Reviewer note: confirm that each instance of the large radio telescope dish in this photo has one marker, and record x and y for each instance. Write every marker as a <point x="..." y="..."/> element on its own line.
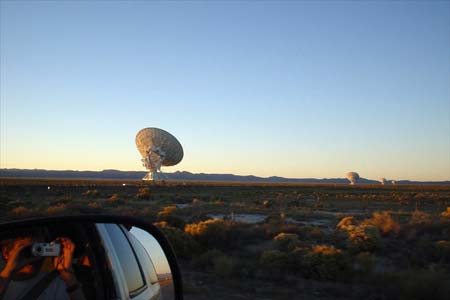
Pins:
<point x="157" y="148"/>
<point x="352" y="177"/>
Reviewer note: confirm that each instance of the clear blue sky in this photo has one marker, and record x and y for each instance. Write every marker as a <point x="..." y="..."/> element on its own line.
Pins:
<point x="294" y="89"/>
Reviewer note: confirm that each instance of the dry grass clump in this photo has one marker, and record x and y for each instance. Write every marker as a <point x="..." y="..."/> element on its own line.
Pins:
<point x="384" y="222"/>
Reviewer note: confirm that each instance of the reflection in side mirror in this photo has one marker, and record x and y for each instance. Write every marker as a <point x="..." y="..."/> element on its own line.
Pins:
<point x="158" y="259"/>
<point x="100" y="257"/>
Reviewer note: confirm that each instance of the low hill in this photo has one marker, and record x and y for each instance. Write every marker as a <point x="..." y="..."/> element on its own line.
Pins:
<point x="181" y="176"/>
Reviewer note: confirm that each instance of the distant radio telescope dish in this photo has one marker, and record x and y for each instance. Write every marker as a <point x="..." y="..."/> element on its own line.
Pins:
<point x="157" y="148"/>
<point x="382" y="181"/>
<point x="352" y="177"/>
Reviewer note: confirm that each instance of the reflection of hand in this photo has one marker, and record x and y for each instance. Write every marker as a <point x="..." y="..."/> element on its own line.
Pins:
<point x="13" y="255"/>
<point x="63" y="262"/>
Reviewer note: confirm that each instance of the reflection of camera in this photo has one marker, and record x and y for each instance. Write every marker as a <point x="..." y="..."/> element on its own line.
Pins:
<point x="46" y="249"/>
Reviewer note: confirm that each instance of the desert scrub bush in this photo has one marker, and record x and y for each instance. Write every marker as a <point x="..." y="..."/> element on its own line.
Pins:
<point x="225" y="266"/>
<point x="384" y="222"/>
<point x="294" y="228"/>
<point x="114" y="199"/>
<point x="16" y="203"/>
<point x="63" y="200"/>
<point x="315" y="233"/>
<point x="364" y="263"/>
<point x="267" y="203"/>
<point x="443" y="250"/>
<point x="95" y="205"/>
<point x="425" y="284"/>
<point x="438" y="229"/>
<point x="424" y="251"/>
<point x="346" y="223"/>
<point x="91" y="193"/>
<point x="275" y="263"/>
<point x="205" y="260"/>
<point x="326" y="263"/>
<point x="57" y="209"/>
<point x="446" y="213"/>
<point x="215" y="260"/>
<point x="326" y="249"/>
<point x="168" y="214"/>
<point x="182" y="243"/>
<point x="20" y="211"/>
<point x="144" y="193"/>
<point x="168" y="210"/>
<point x="419" y="217"/>
<point x="286" y="241"/>
<point x="213" y="233"/>
<point x="417" y="284"/>
<point x="196" y="201"/>
<point x="364" y="238"/>
<point x="273" y="224"/>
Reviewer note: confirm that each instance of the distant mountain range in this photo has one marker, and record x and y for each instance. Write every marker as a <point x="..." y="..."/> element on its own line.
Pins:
<point x="182" y="176"/>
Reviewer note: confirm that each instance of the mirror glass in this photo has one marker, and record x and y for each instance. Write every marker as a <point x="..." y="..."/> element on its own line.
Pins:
<point x="85" y="260"/>
<point x="159" y="260"/>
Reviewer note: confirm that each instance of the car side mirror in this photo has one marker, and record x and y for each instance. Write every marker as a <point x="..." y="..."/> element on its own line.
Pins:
<point x="87" y="257"/>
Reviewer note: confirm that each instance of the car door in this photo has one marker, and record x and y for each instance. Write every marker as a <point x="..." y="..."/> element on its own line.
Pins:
<point x="132" y="271"/>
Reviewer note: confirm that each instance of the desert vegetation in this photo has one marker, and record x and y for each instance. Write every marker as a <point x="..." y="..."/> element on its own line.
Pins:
<point x="275" y="241"/>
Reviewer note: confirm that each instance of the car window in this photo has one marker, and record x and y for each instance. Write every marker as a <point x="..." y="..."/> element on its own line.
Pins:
<point x="127" y="258"/>
<point x="144" y="258"/>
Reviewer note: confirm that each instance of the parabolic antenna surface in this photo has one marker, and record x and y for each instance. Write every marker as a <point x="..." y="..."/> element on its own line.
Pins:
<point x="157" y="148"/>
<point x="352" y="177"/>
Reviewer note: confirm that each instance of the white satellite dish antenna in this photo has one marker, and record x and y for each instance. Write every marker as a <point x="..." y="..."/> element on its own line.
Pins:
<point x="158" y="148"/>
<point x="352" y="177"/>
